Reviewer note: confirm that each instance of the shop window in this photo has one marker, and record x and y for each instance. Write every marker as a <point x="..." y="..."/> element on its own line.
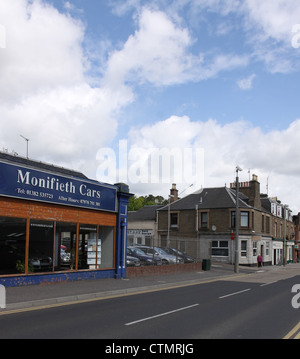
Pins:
<point x="267" y="248"/>
<point x="106" y="247"/>
<point x="12" y="245"/>
<point x="220" y="248"/>
<point x="254" y="249"/>
<point x="41" y="246"/>
<point x="243" y="248"/>
<point x="87" y="247"/>
<point x="65" y="246"/>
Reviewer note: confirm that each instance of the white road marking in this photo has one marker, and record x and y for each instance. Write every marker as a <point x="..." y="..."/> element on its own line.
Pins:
<point x="231" y="294"/>
<point x="263" y="285"/>
<point x="161" y="315"/>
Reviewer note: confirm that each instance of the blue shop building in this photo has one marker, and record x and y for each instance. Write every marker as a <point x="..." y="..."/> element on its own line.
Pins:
<point x="58" y="225"/>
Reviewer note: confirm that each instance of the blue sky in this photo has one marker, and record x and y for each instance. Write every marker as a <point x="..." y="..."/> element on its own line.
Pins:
<point x="78" y="76"/>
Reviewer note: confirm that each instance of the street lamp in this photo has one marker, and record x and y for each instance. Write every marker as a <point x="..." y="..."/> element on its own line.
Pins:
<point x="237" y="249"/>
<point x="27" y="140"/>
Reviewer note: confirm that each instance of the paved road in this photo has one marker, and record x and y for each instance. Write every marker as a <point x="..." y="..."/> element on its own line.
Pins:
<point x="241" y="308"/>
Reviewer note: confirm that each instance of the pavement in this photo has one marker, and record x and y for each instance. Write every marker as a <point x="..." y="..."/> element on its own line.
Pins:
<point x="18" y="298"/>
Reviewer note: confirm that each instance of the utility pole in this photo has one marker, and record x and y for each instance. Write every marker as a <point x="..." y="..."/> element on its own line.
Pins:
<point x="237" y="244"/>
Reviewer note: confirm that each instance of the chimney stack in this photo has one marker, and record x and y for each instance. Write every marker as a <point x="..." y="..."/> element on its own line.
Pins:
<point x="251" y="190"/>
<point x="173" y="193"/>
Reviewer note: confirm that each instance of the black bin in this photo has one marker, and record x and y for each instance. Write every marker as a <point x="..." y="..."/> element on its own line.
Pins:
<point x="206" y="263"/>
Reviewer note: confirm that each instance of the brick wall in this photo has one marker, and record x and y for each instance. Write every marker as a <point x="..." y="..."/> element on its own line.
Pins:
<point x="133" y="272"/>
<point x="43" y="211"/>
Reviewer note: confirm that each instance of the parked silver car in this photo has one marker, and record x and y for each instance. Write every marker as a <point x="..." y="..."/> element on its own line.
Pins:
<point x="159" y="252"/>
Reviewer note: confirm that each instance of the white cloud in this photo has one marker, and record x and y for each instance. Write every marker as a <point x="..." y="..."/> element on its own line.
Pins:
<point x="246" y="83"/>
<point x="44" y="92"/>
<point x="273" y="19"/>
<point x="160" y="53"/>
<point x="266" y="154"/>
<point x="43" y="50"/>
<point x="156" y="53"/>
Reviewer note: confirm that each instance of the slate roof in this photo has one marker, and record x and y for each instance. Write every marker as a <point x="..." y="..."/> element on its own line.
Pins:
<point x="41" y="165"/>
<point x="208" y="198"/>
<point x="266" y="204"/>
<point x="147" y="213"/>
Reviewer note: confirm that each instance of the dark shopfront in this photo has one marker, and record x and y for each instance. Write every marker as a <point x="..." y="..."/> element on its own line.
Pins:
<point x="57" y="225"/>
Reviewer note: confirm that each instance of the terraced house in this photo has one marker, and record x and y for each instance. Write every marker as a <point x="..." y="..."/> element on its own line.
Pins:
<point x="202" y="224"/>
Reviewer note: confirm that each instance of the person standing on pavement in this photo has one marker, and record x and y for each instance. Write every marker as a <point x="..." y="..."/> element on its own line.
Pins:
<point x="259" y="261"/>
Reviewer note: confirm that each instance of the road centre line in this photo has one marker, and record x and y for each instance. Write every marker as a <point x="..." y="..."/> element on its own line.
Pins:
<point x="231" y="294"/>
<point x="265" y="284"/>
<point x="161" y="315"/>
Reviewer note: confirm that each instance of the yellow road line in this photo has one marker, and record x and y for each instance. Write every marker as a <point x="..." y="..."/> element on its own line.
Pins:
<point x="293" y="333"/>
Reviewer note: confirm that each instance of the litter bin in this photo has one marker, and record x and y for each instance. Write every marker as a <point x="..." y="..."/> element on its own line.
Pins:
<point x="206" y="263"/>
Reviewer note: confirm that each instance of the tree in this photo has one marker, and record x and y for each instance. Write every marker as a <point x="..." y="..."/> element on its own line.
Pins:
<point x="136" y="203"/>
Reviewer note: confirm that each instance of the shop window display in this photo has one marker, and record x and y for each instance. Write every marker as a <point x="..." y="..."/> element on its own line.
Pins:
<point x="65" y="246"/>
<point x="52" y="246"/>
<point x="12" y="245"/>
<point x="87" y="247"/>
<point x="41" y="246"/>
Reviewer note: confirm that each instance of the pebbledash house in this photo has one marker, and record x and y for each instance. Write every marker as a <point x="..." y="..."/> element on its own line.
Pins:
<point x="58" y="225"/>
<point x="203" y="224"/>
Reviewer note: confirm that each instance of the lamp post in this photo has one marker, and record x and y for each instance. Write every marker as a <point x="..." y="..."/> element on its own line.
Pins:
<point x="285" y="207"/>
<point x="27" y="141"/>
<point x="169" y="220"/>
<point x="237" y="244"/>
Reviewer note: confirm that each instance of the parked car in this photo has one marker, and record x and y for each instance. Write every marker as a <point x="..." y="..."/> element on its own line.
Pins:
<point x="176" y="252"/>
<point x="42" y="263"/>
<point x="164" y="256"/>
<point x="145" y="259"/>
<point x="64" y="258"/>
<point x="133" y="262"/>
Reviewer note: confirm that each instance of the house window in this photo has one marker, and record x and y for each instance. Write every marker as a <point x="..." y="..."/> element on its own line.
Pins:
<point x="219" y="248"/>
<point x="204" y="220"/>
<point x="268" y="224"/>
<point x="245" y="219"/>
<point x="174" y="220"/>
<point x="273" y="209"/>
<point x="243" y="248"/>
<point x="232" y="219"/>
<point x="263" y="223"/>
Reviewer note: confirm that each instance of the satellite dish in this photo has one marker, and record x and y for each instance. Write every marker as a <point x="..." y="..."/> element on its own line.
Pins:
<point x="214" y="228"/>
